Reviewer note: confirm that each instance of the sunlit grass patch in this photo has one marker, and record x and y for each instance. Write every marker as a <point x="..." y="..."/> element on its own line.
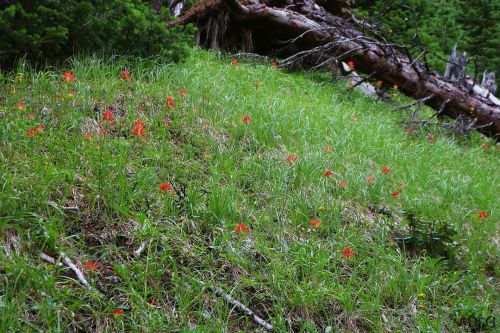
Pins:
<point x="311" y="204"/>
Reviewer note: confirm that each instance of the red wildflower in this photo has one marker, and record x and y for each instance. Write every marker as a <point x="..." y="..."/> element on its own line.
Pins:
<point x="101" y="132"/>
<point x="31" y="115"/>
<point x="21" y="106"/>
<point x="138" y="130"/>
<point x="483" y="215"/>
<point x="234" y="62"/>
<point x="167" y="122"/>
<point x="342" y="183"/>
<point x="395" y="86"/>
<point x="274" y="64"/>
<point x="386" y="170"/>
<point x="370" y="180"/>
<point x="246" y="119"/>
<point x="395" y="194"/>
<point x="91" y="266"/>
<point x="328" y="173"/>
<point x="431" y="138"/>
<point x="40" y="127"/>
<point x="291" y="158"/>
<point x="241" y="228"/>
<point x="182" y="91"/>
<point x="126" y="75"/>
<point x="69" y="77"/>
<point x="328" y="148"/>
<point x="379" y="83"/>
<point x="88" y="135"/>
<point x="315" y="223"/>
<point x="485" y="146"/>
<point x="410" y="130"/>
<point x="118" y="312"/>
<point x="138" y="123"/>
<point x="169" y="103"/>
<point x="351" y="65"/>
<point x="31" y="131"/>
<point x="107" y="115"/>
<point x="165" y="187"/>
<point x="347" y="252"/>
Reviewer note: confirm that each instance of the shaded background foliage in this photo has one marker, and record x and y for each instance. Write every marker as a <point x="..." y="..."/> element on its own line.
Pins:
<point x="439" y="24"/>
<point x="43" y="30"/>
<point x="46" y="30"/>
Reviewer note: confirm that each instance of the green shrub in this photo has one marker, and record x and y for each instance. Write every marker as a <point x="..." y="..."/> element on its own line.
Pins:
<point x="45" y="30"/>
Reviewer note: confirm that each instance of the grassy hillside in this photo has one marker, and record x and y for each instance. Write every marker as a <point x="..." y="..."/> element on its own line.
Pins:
<point x="310" y="204"/>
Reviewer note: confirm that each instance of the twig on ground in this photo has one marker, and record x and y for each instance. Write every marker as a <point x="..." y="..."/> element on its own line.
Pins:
<point x="50" y="260"/>
<point x="418" y="101"/>
<point x="242" y="307"/>
<point x="12" y="242"/>
<point x="138" y="252"/>
<point x="76" y="270"/>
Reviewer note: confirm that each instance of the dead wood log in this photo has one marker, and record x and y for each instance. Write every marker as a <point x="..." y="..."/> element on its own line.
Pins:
<point x="302" y="30"/>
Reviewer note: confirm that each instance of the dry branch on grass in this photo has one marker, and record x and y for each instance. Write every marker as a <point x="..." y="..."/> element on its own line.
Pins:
<point x="240" y="306"/>
<point x="70" y="264"/>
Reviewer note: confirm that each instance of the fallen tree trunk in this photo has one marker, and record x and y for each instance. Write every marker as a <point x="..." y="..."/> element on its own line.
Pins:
<point x="304" y="32"/>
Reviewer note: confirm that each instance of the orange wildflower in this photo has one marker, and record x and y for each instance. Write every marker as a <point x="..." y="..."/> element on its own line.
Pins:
<point x="291" y="159"/>
<point x="241" y="228"/>
<point x="118" y="312"/>
<point x="246" y="119"/>
<point x="126" y="75"/>
<point x="91" y="266"/>
<point x="315" y="223"/>
<point x="68" y="77"/>
<point x="347" y="252"/>
<point x="482" y="215"/>
<point x="165" y="186"/>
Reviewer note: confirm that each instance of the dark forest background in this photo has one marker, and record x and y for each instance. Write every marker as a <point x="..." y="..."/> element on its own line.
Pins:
<point x="474" y="25"/>
<point x="46" y="30"/>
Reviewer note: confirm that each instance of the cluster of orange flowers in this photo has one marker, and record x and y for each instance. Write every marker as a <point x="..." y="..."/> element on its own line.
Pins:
<point x="139" y="130"/>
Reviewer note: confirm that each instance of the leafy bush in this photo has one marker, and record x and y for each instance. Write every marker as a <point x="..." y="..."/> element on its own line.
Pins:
<point x="44" y="30"/>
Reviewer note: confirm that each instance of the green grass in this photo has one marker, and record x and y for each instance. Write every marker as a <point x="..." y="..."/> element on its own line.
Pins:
<point x="420" y="266"/>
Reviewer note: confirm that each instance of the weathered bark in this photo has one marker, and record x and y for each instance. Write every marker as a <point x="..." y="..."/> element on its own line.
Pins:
<point x="311" y="31"/>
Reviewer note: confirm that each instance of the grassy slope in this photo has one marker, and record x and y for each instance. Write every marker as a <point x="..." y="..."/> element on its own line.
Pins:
<point x="290" y="273"/>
